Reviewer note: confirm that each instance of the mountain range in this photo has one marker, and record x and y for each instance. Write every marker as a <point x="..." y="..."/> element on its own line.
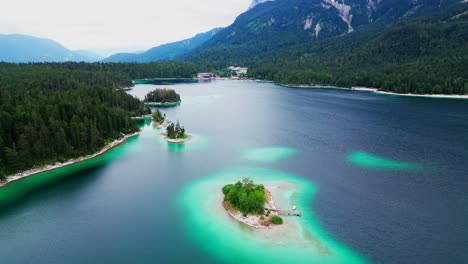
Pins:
<point x="279" y="24"/>
<point x="170" y="51"/>
<point x="23" y="48"/>
<point x="397" y="45"/>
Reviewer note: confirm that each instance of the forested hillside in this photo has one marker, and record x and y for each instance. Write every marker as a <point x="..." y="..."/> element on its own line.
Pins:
<point x="284" y="23"/>
<point x="54" y="112"/>
<point x="424" y="55"/>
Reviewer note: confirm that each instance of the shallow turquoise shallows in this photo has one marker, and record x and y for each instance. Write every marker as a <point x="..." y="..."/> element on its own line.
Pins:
<point x="378" y="179"/>
<point x="367" y="160"/>
<point x="208" y="225"/>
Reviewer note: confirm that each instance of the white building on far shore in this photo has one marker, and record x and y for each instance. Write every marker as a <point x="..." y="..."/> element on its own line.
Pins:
<point x="238" y="70"/>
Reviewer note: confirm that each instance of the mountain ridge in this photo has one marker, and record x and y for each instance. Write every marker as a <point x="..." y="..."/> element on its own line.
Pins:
<point x="168" y="51"/>
<point x="282" y="23"/>
<point x="19" y="48"/>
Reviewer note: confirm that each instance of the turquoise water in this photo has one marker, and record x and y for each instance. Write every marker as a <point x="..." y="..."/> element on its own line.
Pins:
<point x="378" y="179"/>
<point x="367" y="160"/>
<point x="224" y="238"/>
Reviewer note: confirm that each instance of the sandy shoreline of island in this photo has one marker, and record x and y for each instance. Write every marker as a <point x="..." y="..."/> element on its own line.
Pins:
<point x="31" y="172"/>
<point x="177" y="140"/>
<point x="161" y="125"/>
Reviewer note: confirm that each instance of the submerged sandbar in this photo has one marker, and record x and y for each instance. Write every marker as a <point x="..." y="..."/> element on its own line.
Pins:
<point x="298" y="240"/>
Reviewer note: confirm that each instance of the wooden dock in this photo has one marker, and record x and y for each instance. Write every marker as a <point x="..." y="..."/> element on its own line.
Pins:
<point x="285" y="212"/>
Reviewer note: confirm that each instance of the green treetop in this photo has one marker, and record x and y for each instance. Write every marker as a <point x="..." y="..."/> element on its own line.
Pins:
<point x="176" y="131"/>
<point x="246" y="196"/>
<point x="159" y="117"/>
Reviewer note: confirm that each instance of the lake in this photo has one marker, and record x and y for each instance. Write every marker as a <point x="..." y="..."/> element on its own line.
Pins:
<point x="388" y="174"/>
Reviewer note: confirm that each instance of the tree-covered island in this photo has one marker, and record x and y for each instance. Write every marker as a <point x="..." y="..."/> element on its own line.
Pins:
<point x="247" y="202"/>
<point x="159" y="118"/>
<point x="175" y="133"/>
<point x="162" y="97"/>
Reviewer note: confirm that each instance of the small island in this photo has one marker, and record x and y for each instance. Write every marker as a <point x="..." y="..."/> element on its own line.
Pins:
<point x="175" y="133"/>
<point x="251" y="204"/>
<point x="162" y="98"/>
<point x="160" y="119"/>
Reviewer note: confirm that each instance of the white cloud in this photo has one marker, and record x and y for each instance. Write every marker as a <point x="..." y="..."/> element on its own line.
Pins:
<point x="103" y="24"/>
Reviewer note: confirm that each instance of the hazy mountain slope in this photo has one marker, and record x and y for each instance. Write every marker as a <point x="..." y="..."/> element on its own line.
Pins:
<point x="23" y="48"/>
<point x="168" y="51"/>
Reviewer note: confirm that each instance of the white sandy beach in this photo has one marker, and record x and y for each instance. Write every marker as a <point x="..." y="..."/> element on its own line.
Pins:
<point x="377" y="91"/>
<point x="312" y="86"/>
<point x="178" y="140"/>
<point x="161" y="125"/>
<point x="444" y="96"/>
<point x="57" y="165"/>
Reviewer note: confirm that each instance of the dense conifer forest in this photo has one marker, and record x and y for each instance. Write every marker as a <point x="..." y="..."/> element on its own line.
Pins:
<point x="427" y="55"/>
<point x="53" y="112"/>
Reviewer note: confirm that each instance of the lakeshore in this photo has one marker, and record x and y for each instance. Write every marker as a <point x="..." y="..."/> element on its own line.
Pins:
<point x="374" y="90"/>
<point x="161" y="125"/>
<point x="34" y="171"/>
<point x="167" y="104"/>
<point x="440" y="96"/>
<point x="301" y="86"/>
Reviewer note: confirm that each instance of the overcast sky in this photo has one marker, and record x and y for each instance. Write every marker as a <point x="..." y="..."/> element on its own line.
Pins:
<point x="110" y="24"/>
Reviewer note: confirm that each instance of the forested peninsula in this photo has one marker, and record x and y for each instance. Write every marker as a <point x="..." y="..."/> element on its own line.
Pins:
<point x="53" y="112"/>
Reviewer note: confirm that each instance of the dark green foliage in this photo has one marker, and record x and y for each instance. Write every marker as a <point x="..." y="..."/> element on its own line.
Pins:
<point x="158" y="116"/>
<point x="175" y="131"/>
<point x="54" y="112"/>
<point x="227" y="188"/>
<point x="427" y="55"/>
<point x="276" y="220"/>
<point x="247" y="197"/>
<point x="162" y="96"/>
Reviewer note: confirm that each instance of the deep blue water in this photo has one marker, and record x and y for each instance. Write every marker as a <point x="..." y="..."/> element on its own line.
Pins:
<point x="121" y="210"/>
